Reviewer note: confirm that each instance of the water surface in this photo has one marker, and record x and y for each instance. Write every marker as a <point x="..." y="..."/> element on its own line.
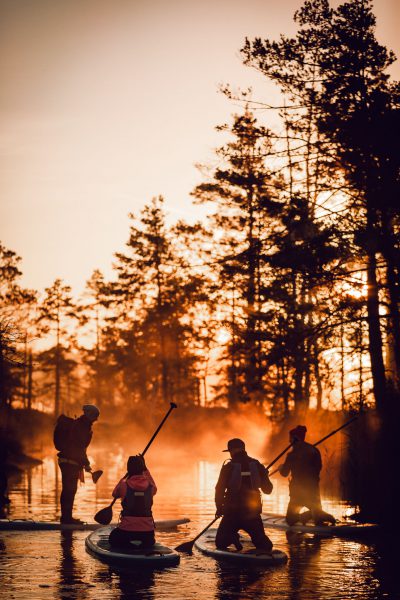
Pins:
<point x="55" y="565"/>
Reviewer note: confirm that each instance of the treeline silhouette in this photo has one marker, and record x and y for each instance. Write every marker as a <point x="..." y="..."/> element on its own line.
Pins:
<point x="286" y="297"/>
<point x="298" y="261"/>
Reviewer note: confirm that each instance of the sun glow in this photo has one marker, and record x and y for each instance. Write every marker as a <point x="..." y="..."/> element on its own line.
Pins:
<point x="223" y="335"/>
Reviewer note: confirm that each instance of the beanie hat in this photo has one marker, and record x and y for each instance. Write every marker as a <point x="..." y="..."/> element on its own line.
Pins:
<point x="91" y="411"/>
<point x="136" y="465"/>
<point x="298" y="432"/>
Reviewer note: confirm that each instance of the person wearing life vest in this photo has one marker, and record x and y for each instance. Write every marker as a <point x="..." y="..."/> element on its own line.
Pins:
<point x="238" y="499"/>
<point x="303" y="464"/>
<point x="136" y="491"/>
<point x="72" y="438"/>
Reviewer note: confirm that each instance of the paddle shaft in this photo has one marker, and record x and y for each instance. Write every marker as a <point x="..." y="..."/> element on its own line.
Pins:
<point x="206" y="528"/>
<point x="187" y="546"/>
<point x="171" y="408"/>
<point x="271" y="464"/>
<point x="173" y="405"/>
<point x="317" y="443"/>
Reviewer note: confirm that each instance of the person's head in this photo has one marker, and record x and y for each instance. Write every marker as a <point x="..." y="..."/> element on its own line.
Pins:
<point x="135" y="465"/>
<point x="297" y="434"/>
<point x="91" y="412"/>
<point x="235" y="446"/>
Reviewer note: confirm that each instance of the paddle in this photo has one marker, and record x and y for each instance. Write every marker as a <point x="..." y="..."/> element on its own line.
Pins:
<point x="104" y="515"/>
<point x="96" y="475"/>
<point x="316" y="443"/>
<point x="188" y="546"/>
<point x="277" y="458"/>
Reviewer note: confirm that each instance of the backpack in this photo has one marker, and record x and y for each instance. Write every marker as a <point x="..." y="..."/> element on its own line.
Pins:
<point x="63" y="432"/>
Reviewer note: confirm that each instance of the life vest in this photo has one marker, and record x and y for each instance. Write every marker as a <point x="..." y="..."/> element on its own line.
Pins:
<point x="239" y="475"/>
<point x="137" y="503"/>
<point x="242" y="495"/>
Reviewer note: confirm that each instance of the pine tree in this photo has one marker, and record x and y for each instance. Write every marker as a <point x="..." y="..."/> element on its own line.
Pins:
<point x="242" y="189"/>
<point x="357" y="108"/>
<point x="15" y="309"/>
<point x="157" y="294"/>
<point x="56" y="313"/>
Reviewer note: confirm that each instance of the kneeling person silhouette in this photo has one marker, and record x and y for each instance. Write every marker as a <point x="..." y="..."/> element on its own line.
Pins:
<point x="304" y="465"/>
<point x="238" y="499"/>
<point x="137" y="491"/>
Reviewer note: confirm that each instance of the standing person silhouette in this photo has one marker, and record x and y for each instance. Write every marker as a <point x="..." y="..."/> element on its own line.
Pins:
<point x="71" y="438"/>
<point x="238" y="499"/>
<point x="304" y="464"/>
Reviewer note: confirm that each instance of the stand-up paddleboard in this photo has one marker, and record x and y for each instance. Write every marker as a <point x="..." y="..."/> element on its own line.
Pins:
<point x="248" y="556"/>
<point x="28" y="525"/>
<point x="156" y="557"/>
<point x="340" y="528"/>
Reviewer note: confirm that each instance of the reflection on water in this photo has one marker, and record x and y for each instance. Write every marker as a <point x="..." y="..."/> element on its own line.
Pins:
<point x="51" y="564"/>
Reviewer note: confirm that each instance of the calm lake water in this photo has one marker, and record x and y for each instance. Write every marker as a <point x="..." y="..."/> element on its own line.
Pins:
<point x="55" y="565"/>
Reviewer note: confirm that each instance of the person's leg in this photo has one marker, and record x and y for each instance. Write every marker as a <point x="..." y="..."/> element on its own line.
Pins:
<point x="321" y="517"/>
<point x="306" y="516"/>
<point x="293" y="512"/>
<point x="69" y="479"/>
<point x="255" y="528"/>
<point x="227" y="533"/>
<point x="146" y="537"/>
<point x="120" y="538"/>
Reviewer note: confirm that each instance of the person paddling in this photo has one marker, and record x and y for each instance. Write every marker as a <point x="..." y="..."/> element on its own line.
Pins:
<point x="238" y="499"/>
<point x="304" y="464"/>
<point x="72" y="438"/>
<point x="137" y="491"/>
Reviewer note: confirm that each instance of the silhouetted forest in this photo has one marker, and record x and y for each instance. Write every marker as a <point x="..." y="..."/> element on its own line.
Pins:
<point x="286" y="297"/>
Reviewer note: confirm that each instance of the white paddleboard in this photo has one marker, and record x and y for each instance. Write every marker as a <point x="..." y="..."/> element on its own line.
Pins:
<point x="156" y="557"/>
<point x="340" y="528"/>
<point x="31" y="525"/>
<point x="248" y="556"/>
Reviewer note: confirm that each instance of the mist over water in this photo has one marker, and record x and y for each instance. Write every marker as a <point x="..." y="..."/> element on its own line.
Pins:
<point x="55" y="565"/>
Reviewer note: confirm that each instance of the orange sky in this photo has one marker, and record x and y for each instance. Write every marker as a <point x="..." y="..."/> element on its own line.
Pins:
<point x="106" y="103"/>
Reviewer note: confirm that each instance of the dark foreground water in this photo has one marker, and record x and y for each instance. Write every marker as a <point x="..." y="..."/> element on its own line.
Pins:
<point x="55" y="565"/>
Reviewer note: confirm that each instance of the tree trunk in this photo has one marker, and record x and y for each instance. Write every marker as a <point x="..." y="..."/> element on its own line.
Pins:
<point x="393" y="289"/>
<point x="317" y="376"/>
<point x="30" y="382"/>
<point x="250" y="341"/>
<point x="375" y="335"/>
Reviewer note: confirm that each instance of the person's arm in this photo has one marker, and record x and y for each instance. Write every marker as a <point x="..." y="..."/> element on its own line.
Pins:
<point x="220" y="489"/>
<point x="152" y="482"/>
<point x="317" y="461"/>
<point x="266" y="483"/>
<point x="87" y="442"/>
<point x="82" y="438"/>
<point x="285" y="468"/>
<point x="120" y="489"/>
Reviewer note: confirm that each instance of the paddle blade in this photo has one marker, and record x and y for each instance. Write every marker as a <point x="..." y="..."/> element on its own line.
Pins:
<point x="185" y="547"/>
<point x="104" y="516"/>
<point x="96" y="475"/>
